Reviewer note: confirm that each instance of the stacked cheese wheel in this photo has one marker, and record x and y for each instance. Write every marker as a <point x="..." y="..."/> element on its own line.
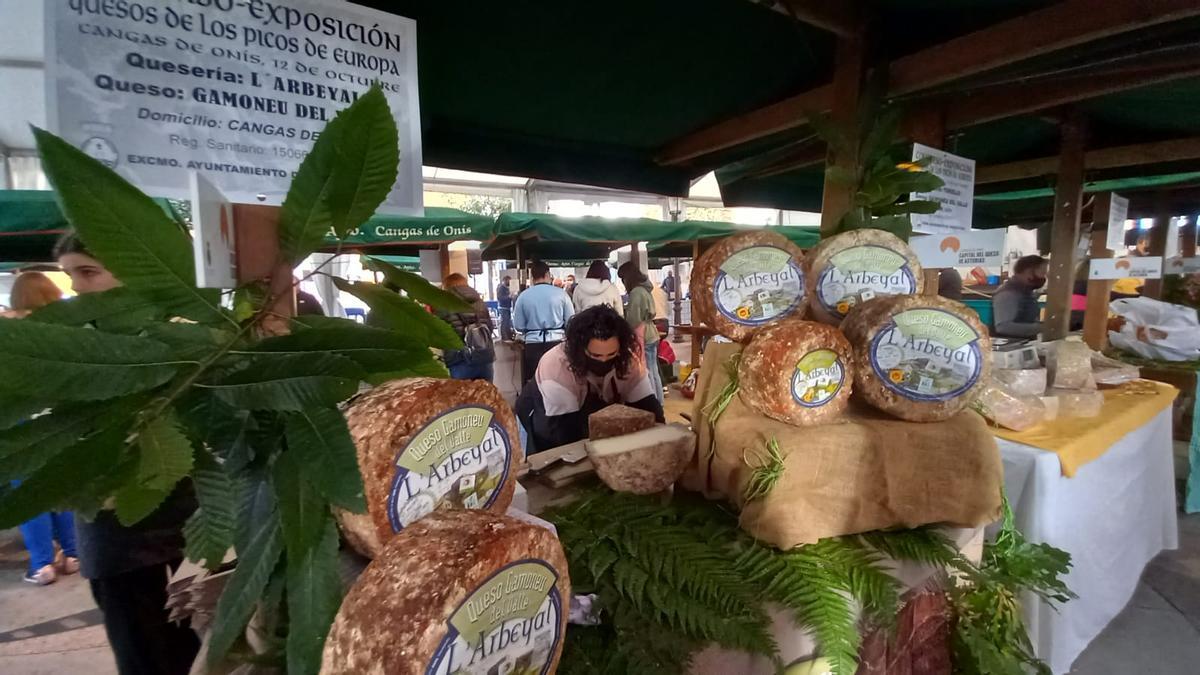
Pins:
<point x="748" y="281"/>
<point x="457" y="592"/>
<point x="426" y="444"/>
<point x="856" y="266"/>
<point x="920" y="358"/>
<point x="797" y="372"/>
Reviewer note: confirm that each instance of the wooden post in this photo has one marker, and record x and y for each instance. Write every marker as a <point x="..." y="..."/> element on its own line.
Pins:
<point x="677" y="300"/>
<point x="1187" y="238"/>
<point x="521" y="271"/>
<point x="256" y="230"/>
<point x="1158" y="241"/>
<point x="847" y="89"/>
<point x="1064" y="235"/>
<point x="444" y="260"/>
<point x="1095" y="317"/>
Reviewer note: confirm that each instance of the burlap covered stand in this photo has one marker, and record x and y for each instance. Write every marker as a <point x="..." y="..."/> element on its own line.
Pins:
<point x="866" y="472"/>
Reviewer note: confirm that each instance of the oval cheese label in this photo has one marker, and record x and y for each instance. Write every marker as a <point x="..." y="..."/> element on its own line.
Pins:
<point x="459" y="459"/>
<point x="510" y="624"/>
<point x="818" y="378"/>
<point x="860" y="273"/>
<point x="757" y="285"/>
<point x="927" y="355"/>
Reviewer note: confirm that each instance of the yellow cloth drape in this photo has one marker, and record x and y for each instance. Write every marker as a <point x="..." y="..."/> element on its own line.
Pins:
<point x="1079" y="440"/>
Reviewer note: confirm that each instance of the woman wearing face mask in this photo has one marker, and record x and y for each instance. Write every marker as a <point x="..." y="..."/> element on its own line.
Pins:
<point x="598" y="364"/>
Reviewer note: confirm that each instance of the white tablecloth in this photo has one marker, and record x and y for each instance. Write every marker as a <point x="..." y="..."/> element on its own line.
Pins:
<point x="1115" y="515"/>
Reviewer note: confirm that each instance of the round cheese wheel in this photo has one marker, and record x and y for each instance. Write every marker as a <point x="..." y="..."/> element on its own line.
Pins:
<point x="920" y="358"/>
<point x="856" y="266"/>
<point x="425" y="444"/>
<point x="798" y="372"/>
<point x="747" y="281"/>
<point x="458" y="592"/>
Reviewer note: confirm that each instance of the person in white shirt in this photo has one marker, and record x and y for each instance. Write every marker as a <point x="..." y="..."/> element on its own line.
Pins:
<point x="600" y="362"/>
<point x="597" y="289"/>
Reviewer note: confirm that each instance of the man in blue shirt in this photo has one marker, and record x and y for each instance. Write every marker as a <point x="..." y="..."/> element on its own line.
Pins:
<point x="541" y="314"/>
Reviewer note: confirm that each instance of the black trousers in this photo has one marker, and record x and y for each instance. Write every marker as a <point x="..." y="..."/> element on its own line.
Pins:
<point x="135" y="620"/>
<point x="533" y="353"/>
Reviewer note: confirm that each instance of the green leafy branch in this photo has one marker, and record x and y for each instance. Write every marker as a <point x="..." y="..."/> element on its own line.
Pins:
<point x="880" y="184"/>
<point x="157" y="394"/>
<point x="673" y="578"/>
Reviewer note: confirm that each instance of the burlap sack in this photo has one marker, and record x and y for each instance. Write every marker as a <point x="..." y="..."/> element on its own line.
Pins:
<point x="868" y="472"/>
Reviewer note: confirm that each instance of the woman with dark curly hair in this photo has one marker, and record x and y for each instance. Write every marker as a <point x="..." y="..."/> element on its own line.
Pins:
<point x="599" y="363"/>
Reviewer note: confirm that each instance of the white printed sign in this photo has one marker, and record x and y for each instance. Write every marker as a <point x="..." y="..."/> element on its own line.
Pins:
<point x="235" y="89"/>
<point x="1129" y="267"/>
<point x="973" y="248"/>
<point x="1118" y="211"/>
<point x="213" y="239"/>
<point x="957" y="196"/>
<point x="1179" y="265"/>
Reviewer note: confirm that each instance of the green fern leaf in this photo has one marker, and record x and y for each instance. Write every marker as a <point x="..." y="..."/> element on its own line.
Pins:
<point x="78" y="364"/>
<point x="390" y="310"/>
<point x="127" y="231"/>
<point x="289" y="382"/>
<point x="209" y="531"/>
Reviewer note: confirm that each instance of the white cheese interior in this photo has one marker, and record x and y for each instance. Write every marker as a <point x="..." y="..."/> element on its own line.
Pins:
<point x="662" y="433"/>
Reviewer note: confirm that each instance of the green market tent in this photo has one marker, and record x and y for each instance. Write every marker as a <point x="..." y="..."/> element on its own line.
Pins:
<point x="408" y="263"/>
<point x="30" y="223"/>
<point x="403" y="235"/>
<point x="550" y="237"/>
<point x="804" y="237"/>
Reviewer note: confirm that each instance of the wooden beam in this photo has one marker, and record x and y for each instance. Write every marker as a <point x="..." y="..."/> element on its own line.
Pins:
<point x="836" y="16"/>
<point x="1095" y="316"/>
<point x="1061" y="25"/>
<point x="837" y="199"/>
<point x="1180" y="149"/>
<point x="1001" y="101"/>
<point x="786" y="114"/>
<point x="1064" y="233"/>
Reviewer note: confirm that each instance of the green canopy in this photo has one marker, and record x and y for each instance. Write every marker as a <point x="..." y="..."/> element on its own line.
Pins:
<point x="30" y="223"/>
<point x="403" y="235"/>
<point x="550" y="237"/>
<point x="804" y="237"/>
<point x="408" y="263"/>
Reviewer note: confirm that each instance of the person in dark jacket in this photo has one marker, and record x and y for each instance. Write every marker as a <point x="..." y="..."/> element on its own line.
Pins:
<point x="128" y="566"/>
<point x="474" y="362"/>
<point x="1015" y="309"/>
<point x="504" y="301"/>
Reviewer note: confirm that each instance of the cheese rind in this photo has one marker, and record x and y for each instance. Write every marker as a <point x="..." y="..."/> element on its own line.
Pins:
<point x="425" y="444"/>
<point x="458" y="591"/>
<point x="644" y="462"/>
<point x="799" y="372"/>
<point x="853" y="267"/>
<point x="617" y="420"/>
<point x="920" y="358"/>
<point x="747" y="281"/>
